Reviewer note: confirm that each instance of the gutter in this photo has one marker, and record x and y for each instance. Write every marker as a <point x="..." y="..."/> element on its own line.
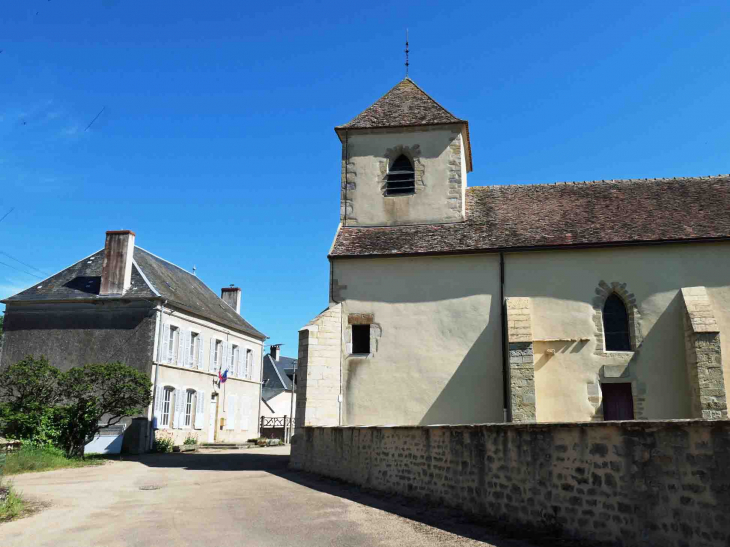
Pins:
<point x="566" y="247"/>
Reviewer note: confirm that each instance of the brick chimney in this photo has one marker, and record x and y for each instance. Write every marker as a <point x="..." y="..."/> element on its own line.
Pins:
<point x="116" y="270"/>
<point x="274" y="351"/>
<point x="232" y="296"/>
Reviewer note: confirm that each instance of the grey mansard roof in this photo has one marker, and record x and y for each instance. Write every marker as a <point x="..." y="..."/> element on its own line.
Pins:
<point x="152" y="278"/>
<point x="561" y="215"/>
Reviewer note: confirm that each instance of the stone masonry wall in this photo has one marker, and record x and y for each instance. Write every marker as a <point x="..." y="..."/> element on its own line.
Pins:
<point x="703" y="355"/>
<point x="318" y="376"/>
<point x="521" y="360"/>
<point x="619" y="483"/>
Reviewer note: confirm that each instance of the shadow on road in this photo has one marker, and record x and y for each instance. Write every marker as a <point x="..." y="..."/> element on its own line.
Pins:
<point x="420" y="513"/>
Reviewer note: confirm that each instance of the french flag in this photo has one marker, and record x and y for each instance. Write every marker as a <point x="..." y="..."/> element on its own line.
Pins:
<point x="222" y="377"/>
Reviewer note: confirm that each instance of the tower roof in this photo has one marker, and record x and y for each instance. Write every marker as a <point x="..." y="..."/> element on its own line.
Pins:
<point x="406" y="104"/>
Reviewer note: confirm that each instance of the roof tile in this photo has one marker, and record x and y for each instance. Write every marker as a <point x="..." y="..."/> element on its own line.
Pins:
<point x="561" y="214"/>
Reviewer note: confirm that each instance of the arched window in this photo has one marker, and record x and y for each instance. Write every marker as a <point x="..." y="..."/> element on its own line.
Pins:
<point x="616" y="324"/>
<point x="401" y="177"/>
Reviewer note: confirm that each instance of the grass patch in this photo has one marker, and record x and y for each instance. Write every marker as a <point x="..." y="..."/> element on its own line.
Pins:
<point x="11" y="504"/>
<point x="30" y="459"/>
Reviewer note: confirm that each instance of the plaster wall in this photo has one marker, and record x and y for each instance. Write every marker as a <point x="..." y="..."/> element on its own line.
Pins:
<point x="562" y="286"/>
<point x="279" y="406"/>
<point x="435" y="340"/>
<point x="438" y="156"/>
<point x="75" y="334"/>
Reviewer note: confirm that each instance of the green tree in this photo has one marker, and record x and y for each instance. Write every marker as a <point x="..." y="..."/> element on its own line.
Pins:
<point x="92" y="392"/>
<point x="29" y="390"/>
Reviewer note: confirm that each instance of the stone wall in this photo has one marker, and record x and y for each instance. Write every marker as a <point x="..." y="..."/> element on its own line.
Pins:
<point x="318" y="374"/>
<point x="703" y="355"/>
<point x="622" y="483"/>
<point x="521" y="360"/>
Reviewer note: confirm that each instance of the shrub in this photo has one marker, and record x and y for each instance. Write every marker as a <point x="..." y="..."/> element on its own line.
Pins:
<point x="92" y="391"/>
<point x="29" y="390"/>
<point x="163" y="442"/>
<point x="191" y="438"/>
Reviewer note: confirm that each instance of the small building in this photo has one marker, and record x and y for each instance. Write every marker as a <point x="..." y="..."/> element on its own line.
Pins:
<point x="278" y="394"/>
<point x="123" y="303"/>
<point x="451" y="304"/>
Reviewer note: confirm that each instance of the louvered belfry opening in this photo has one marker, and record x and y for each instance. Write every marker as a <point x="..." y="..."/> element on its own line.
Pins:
<point x="401" y="177"/>
<point x="616" y="324"/>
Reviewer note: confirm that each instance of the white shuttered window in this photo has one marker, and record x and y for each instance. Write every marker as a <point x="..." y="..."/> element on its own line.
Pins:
<point x="201" y="339"/>
<point x="231" y="412"/>
<point x="245" y="412"/>
<point x="200" y="410"/>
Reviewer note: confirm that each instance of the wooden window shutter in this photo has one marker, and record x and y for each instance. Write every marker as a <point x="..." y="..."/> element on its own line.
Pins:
<point x="237" y="361"/>
<point x="186" y="353"/>
<point x="211" y="363"/>
<point x="179" y="408"/>
<point x="231" y="412"/>
<point x="180" y="347"/>
<point x="157" y="410"/>
<point x="225" y="356"/>
<point x="200" y="410"/>
<point x="201" y="339"/>
<point x="245" y="412"/>
<point x="162" y="344"/>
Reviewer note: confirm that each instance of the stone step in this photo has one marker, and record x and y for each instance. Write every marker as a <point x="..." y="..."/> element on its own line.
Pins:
<point x="225" y="446"/>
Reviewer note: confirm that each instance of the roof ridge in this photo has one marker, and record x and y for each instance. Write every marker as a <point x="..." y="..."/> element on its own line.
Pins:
<point x="598" y="181"/>
<point x="164" y="260"/>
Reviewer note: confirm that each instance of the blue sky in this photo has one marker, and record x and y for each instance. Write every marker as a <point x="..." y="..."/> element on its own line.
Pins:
<point x="216" y="143"/>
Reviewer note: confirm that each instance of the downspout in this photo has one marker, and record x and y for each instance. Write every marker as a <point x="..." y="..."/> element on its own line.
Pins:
<point x="157" y="374"/>
<point x="506" y="376"/>
<point x="261" y="388"/>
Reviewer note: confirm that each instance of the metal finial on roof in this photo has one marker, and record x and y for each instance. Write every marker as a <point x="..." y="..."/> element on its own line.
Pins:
<point x="407" y="63"/>
<point x="194" y="268"/>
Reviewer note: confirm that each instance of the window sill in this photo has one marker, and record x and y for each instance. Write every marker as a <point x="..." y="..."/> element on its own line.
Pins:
<point x="361" y="355"/>
<point x="403" y="195"/>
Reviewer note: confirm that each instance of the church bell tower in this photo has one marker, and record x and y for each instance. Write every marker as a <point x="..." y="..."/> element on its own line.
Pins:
<point x="404" y="161"/>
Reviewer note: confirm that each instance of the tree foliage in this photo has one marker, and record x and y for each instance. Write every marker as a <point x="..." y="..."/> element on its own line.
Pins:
<point x="92" y="392"/>
<point x="44" y="405"/>
<point x="29" y="390"/>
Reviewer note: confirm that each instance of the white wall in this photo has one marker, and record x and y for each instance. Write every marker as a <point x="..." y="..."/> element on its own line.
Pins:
<point x="280" y="405"/>
<point x="366" y="169"/>
<point x="562" y="285"/>
<point x="437" y="357"/>
<point x="204" y="379"/>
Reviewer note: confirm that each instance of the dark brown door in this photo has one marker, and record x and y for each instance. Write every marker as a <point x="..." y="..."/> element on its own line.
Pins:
<point x="617" y="402"/>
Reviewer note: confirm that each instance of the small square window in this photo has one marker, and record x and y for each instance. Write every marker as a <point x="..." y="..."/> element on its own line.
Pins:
<point x="360" y="338"/>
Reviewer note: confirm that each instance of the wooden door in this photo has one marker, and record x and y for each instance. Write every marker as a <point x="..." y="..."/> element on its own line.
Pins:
<point x="618" y="404"/>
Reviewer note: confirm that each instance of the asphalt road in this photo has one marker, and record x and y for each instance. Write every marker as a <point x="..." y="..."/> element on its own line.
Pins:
<point x="231" y="498"/>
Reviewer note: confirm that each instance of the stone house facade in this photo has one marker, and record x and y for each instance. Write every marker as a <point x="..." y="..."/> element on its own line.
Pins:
<point x="125" y="304"/>
<point x="452" y="304"/>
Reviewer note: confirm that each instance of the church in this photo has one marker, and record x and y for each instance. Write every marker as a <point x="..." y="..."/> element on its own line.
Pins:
<point x="561" y="302"/>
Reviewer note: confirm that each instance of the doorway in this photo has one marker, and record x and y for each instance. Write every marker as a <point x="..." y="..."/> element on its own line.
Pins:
<point x="211" y="420"/>
<point x="618" y="404"/>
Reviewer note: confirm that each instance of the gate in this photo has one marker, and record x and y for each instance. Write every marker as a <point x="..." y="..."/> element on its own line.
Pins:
<point x="275" y="427"/>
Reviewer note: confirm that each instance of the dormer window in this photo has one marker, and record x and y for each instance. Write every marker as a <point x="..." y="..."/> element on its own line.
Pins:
<point x="401" y="178"/>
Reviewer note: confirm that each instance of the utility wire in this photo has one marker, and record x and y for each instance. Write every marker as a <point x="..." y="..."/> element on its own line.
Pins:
<point x="24" y="264"/>
<point x="92" y="121"/>
<point x="22" y="271"/>
<point x="6" y="214"/>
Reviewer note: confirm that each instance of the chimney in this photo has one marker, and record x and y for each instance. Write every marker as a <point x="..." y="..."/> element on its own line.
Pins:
<point x="116" y="270"/>
<point x="232" y="296"/>
<point x="274" y="351"/>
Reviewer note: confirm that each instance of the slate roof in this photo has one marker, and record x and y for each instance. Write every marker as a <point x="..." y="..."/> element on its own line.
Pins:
<point x="275" y="376"/>
<point x="152" y="277"/>
<point x="560" y="215"/>
<point x="405" y="104"/>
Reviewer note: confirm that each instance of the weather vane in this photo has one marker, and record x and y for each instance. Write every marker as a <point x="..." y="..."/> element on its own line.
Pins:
<point x="407" y="63"/>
